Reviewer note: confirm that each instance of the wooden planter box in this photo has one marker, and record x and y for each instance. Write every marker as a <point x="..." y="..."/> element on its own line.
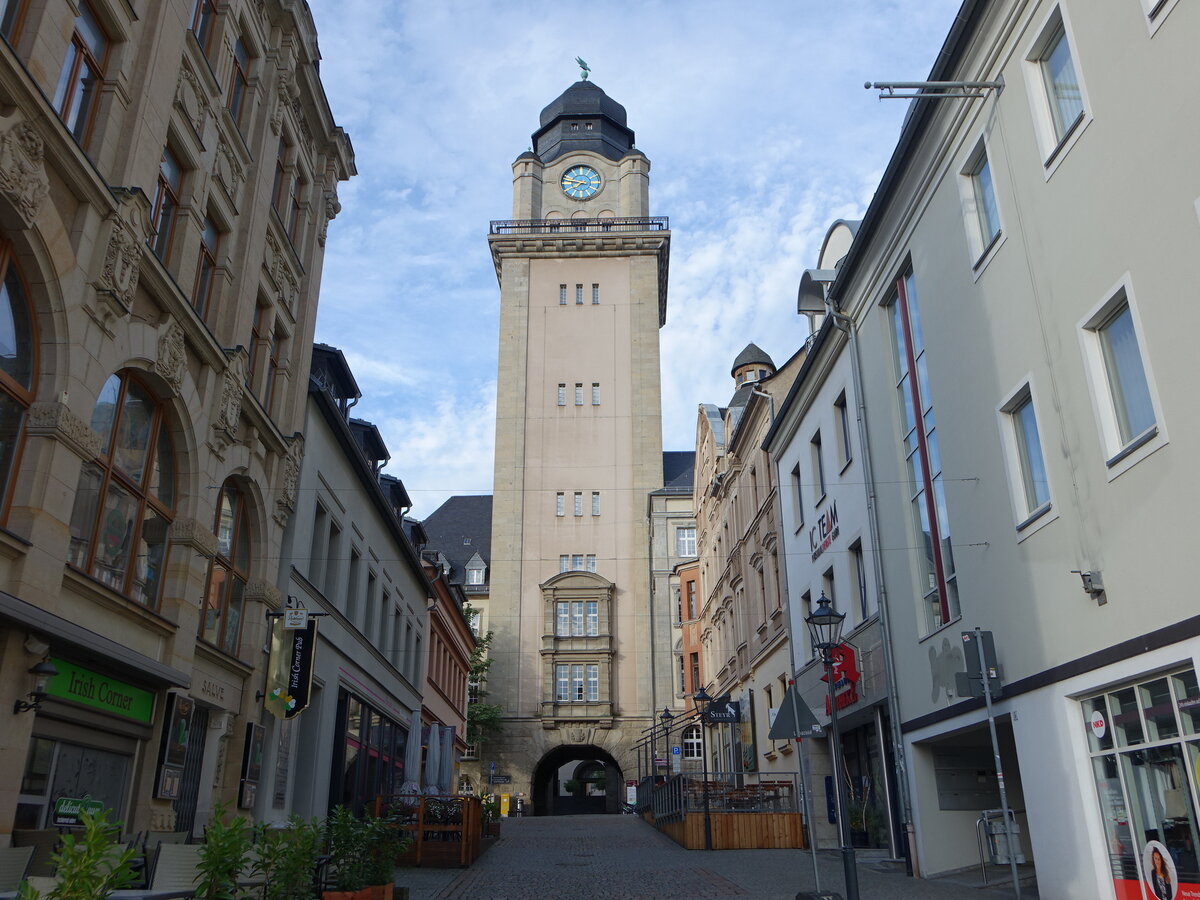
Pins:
<point x="739" y="831"/>
<point x="445" y="832"/>
<point x="374" y="892"/>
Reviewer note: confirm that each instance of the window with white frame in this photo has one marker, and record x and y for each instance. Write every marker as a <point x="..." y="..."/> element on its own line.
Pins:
<point x="685" y="542"/>
<point x="981" y="197"/>
<point x="579" y="394"/>
<point x="1027" y="466"/>
<point x="858" y="567"/>
<point x="579" y="503"/>
<point x="693" y="746"/>
<point x="595" y="295"/>
<point x="577" y="562"/>
<point x="579" y="295"/>
<point x="842" y="414"/>
<point x="577" y="683"/>
<point x="562" y="395"/>
<point x="818" y="467"/>
<point x="475" y="574"/>
<point x="595" y="503"/>
<point x="1056" y="89"/>
<point x="562" y="295"/>
<point x="560" y="504"/>
<point x="577" y="618"/>
<point x="595" y="393"/>
<point x="593" y="682"/>
<point x="564" y="563"/>
<point x="591" y="562"/>
<point x="797" y="495"/>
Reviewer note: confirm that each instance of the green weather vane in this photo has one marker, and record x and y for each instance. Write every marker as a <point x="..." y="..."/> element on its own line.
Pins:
<point x="584" y="70"/>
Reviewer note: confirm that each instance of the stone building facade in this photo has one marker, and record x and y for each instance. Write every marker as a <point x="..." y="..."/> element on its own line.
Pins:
<point x="166" y="181"/>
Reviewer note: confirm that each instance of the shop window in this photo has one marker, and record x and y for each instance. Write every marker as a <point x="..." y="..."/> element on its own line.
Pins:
<point x="17" y="346"/>
<point x="55" y="769"/>
<point x="124" y="501"/>
<point x="1144" y="748"/>
<point x="78" y="91"/>
<point x="228" y="573"/>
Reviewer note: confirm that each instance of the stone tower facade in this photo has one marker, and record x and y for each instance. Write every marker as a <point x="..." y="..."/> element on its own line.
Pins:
<point x="582" y="268"/>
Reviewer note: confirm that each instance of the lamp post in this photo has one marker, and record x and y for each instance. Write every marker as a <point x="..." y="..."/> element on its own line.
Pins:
<point x="702" y="700"/>
<point x="825" y="630"/>
<point x="666" y="718"/>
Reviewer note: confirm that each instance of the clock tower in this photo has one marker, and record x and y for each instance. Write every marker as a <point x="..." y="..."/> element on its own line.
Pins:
<point x="582" y="268"/>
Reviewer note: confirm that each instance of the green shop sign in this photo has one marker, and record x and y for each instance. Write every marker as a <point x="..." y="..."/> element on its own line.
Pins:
<point x="80" y="685"/>
<point x="69" y="810"/>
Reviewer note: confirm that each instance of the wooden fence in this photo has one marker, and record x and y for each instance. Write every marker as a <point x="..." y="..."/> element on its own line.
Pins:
<point x="445" y="831"/>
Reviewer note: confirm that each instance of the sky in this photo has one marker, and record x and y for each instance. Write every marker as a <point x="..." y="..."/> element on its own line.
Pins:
<point x="759" y="132"/>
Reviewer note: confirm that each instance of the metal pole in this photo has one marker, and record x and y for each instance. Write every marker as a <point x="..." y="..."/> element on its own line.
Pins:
<point x="987" y="699"/>
<point x="849" y="868"/>
<point x="804" y="785"/>
<point x="704" y="765"/>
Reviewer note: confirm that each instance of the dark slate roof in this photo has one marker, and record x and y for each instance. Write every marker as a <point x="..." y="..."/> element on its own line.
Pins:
<point x="677" y="469"/>
<point x="752" y="355"/>
<point x="461" y="519"/>
<point x="583" y="117"/>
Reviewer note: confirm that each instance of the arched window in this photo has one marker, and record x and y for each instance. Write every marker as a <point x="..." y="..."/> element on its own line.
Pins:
<point x="124" y="502"/>
<point x="16" y="367"/>
<point x="225" y="597"/>
<point x="692" y="742"/>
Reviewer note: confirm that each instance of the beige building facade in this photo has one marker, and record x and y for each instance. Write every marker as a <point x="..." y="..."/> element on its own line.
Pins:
<point x="160" y="276"/>
<point x="582" y="268"/>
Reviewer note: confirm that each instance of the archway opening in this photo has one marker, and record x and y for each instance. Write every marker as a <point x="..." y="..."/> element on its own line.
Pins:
<point x="576" y="779"/>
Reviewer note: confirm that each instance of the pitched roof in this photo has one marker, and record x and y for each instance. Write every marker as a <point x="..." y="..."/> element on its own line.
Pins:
<point x="460" y="528"/>
<point x="677" y="470"/>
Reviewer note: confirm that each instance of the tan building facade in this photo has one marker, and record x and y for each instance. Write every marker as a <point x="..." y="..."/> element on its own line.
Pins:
<point x="582" y="269"/>
<point x="159" y="299"/>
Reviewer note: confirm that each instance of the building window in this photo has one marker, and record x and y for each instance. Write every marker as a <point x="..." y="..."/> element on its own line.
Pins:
<point x="595" y="503"/>
<point x="593" y="683"/>
<point x="845" y="453"/>
<point x="694" y="666"/>
<point x="475" y="575"/>
<point x="206" y="267"/>
<point x="560" y="504"/>
<point x="262" y="344"/>
<point x="577" y="683"/>
<point x="562" y="295"/>
<point x="166" y="201"/>
<point x="221" y="623"/>
<point x="685" y="542"/>
<point x="693" y="743"/>
<point x="123" y="504"/>
<point x="295" y="217"/>
<point x="805" y="611"/>
<point x="12" y="12"/>
<point x="591" y="562"/>
<point x="576" y="562"/>
<point x="983" y="196"/>
<point x="1028" y="464"/>
<point x="18" y="341"/>
<point x="281" y="189"/>
<point x="239" y="82"/>
<point x="78" y="87"/>
<point x="797" y="496"/>
<point x="562" y="395"/>
<point x="858" y="565"/>
<point x="579" y="394"/>
<point x="1061" y="82"/>
<point x="1128" y="390"/>
<point x="577" y="618"/>
<point x="595" y="294"/>
<point x="919" y="437"/>
<point x="564" y="563"/>
<point x="595" y="393"/>
<point x="579" y="503"/>
<point x="818" y="468"/>
<point x="691" y="599"/>
<point x="579" y="295"/>
<point x="204" y="15"/>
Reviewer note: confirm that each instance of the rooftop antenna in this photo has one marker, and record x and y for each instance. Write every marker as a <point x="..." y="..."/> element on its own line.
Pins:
<point x="584" y="69"/>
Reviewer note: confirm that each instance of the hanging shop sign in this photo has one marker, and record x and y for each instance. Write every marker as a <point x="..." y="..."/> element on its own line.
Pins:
<point x="723" y="710"/>
<point x="824" y="531"/>
<point x="290" y="670"/>
<point x="845" y="677"/>
<point x="173" y="747"/>
<point x="80" y="685"/>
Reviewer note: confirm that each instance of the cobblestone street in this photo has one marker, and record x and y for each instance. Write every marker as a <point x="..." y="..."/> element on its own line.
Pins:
<point x="611" y="857"/>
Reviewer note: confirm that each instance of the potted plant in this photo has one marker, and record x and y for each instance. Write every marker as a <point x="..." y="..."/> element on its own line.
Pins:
<point x="490" y="815"/>
<point x="347" y="839"/>
<point x="287" y="859"/>
<point x="385" y="842"/>
<point x="223" y="857"/>
<point x="91" y="865"/>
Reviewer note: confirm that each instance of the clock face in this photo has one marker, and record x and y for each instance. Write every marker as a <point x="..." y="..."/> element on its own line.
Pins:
<point x="581" y="182"/>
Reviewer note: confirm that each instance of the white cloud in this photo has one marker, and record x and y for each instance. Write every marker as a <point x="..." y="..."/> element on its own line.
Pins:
<point x="759" y="132"/>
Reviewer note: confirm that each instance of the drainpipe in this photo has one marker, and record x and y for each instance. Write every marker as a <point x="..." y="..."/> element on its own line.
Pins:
<point x="845" y="325"/>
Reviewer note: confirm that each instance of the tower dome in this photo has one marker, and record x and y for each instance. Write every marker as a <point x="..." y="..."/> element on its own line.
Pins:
<point x="752" y="364"/>
<point x="582" y="117"/>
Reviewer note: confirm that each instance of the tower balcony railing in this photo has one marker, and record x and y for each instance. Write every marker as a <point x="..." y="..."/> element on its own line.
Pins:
<point x="586" y="226"/>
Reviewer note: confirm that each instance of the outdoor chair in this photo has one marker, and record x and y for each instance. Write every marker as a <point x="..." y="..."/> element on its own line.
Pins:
<point x="14" y="865"/>
<point x="44" y="842"/>
<point x="173" y="874"/>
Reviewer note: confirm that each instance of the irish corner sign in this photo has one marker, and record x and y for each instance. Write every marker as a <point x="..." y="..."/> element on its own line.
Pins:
<point x="80" y="685"/>
<point x="289" y="673"/>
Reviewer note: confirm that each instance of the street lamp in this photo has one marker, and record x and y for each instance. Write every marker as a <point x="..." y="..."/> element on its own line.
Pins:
<point x="825" y="631"/>
<point x="701" y="699"/>
<point x="666" y="718"/>
<point x="42" y="672"/>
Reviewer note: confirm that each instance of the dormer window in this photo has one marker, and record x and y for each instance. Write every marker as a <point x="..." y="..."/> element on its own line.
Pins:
<point x="476" y="571"/>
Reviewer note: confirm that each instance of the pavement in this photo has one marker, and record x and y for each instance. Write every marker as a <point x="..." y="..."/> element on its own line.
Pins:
<point x="617" y="857"/>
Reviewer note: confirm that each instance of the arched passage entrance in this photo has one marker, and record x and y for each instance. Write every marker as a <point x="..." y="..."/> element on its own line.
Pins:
<point x="576" y="779"/>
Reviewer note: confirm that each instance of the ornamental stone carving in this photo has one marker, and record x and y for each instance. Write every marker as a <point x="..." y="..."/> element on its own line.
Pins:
<point x="285" y="504"/>
<point x="23" y="180"/>
<point x="264" y="592"/>
<point x="228" y="169"/>
<point x="332" y="208"/>
<point x="171" y="360"/>
<point x="128" y="228"/>
<point x="302" y="124"/>
<point x="55" y="420"/>
<point x="191" y="99"/>
<point x="229" y="410"/>
<point x="284" y="100"/>
<point x="194" y="534"/>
